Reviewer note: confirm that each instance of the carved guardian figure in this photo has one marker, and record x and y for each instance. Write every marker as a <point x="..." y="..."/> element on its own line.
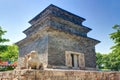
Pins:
<point x="33" y="61"/>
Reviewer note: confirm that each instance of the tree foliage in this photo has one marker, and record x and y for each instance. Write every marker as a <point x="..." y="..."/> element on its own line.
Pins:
<point x="7" y="52"/>
<point x="102" y="61"/>
<point x="2" y="40"/>
<point x="111" y="60"/>
<point x="99" y="61"/>
<point x="115" y="36"/>
<point x="2" y="32"/>
<point x="114" y="61"/>
<point x="11" y="54"/>
<point x="115" y="54"/>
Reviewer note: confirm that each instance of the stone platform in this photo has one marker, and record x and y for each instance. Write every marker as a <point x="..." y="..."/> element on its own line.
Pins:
<point x="58" y="75"/>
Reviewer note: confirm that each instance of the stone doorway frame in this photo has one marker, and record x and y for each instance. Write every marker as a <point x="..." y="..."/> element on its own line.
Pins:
<point x="74" y="59"/>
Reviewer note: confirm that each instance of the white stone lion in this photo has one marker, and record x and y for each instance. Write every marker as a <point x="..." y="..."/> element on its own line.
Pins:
<point x="32" y="61"/>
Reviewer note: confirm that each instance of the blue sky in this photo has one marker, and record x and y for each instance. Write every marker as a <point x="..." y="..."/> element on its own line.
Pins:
<point x="100" y="15"/>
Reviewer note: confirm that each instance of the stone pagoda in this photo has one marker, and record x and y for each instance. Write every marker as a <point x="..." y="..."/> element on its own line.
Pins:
<point x="60" y="40"/>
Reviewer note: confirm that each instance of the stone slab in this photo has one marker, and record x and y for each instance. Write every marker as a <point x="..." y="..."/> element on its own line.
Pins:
<point x="57" y="74"/>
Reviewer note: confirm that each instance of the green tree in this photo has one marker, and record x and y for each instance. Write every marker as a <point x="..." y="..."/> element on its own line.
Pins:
<point x="115" y="36"/>
<point x="114" y="61"/>
<point x="2" y="32"/>
<point x="106" y="61"/>
<point x="115" y="54"/>
<point x="99" y="61"/>
<point x="102" y="61"/>
<point x="2" y="40"/>
<point x="7" y="52"/>
<point x="11" y="54"/>
<point x="111" y="60"/>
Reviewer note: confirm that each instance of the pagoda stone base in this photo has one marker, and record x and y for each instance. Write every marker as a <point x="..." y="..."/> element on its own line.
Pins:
<point x="55" y="74"/>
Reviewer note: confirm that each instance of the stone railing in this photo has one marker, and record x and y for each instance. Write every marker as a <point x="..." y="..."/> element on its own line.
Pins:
<point x="58" y="75"/>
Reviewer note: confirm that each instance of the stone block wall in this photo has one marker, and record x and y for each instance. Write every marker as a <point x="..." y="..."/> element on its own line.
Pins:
<point x="54" y="31"/>
<point x="40" y="45"/>
<point x="59" y="42"/>
<point x="58" y="75"/>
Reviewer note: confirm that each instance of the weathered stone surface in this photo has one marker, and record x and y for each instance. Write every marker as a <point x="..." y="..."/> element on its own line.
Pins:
<point x="56" y="11"/>
<point x="40" y="45"/>
<point x="58" y="75"/>
<point x="55" y="31"/>
<point x="59" y="42"/>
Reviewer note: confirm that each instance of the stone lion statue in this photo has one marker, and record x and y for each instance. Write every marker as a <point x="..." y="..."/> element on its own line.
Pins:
<point x="32" y="61"/>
